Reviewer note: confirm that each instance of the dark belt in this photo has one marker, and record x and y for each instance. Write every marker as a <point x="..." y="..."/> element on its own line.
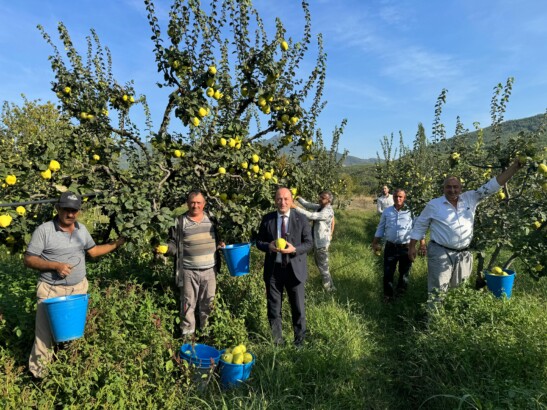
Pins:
<point x="450" y="249"/>
<point x="397" y="245"/>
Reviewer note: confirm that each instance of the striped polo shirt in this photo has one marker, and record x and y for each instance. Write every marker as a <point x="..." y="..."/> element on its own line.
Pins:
<point x="199" y="244"/>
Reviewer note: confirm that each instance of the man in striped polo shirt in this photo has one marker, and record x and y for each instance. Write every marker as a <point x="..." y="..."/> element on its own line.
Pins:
<point x="57" y="250"/>
<point x="194" y="242"/>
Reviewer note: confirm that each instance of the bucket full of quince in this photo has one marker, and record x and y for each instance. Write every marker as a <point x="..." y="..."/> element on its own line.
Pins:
<point x="500" y="281"/>
<point x="235" y="365"/>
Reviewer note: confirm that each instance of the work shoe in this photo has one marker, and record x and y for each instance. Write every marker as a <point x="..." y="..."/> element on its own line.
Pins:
<point x="329" y="287"/>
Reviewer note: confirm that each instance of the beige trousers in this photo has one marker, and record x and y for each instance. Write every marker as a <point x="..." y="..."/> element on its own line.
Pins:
<point x="41" y="354"/>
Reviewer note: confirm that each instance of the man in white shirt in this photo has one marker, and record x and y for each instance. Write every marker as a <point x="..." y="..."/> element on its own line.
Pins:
<point x="450" y="219"/>
<point x="322" y="216"/>
<point x="385" y="200"/>
<point x="395" y="226"/>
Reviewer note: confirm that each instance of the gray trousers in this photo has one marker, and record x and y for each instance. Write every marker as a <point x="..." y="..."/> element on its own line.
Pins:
<point x="321" y="256"/>
<point x="197" y="292"/>
<point x="446" y="269"/>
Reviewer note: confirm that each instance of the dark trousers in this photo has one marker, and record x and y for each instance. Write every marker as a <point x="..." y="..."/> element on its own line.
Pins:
<point x="393" y="255"/>
<point x="284" y="278"/>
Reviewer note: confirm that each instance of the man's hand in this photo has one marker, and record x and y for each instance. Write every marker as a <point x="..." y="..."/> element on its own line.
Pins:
<point x="288" y="249"/>
<point x="412" y="253"/>
<point x="63" y="269"/>
<point x="119" y="242"/>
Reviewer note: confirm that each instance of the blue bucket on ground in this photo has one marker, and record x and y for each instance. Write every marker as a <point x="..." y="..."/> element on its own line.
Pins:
<point x="501" y="285"/>
<point x="233" y="374"/>
<point x="238" y="258"/>
<point x="199" y="355"/>
<point x="202" y="360"/>
<point x="67" y="315"/>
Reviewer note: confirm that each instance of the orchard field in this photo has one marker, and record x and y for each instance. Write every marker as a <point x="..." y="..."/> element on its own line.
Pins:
<point x="478" y="352"/>
<point x="230" y="84"/>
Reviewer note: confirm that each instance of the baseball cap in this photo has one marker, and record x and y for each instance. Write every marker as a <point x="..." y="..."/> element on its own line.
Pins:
<point x="70" y="200"/>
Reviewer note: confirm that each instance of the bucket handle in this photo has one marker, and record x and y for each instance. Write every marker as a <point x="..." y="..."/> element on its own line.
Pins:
<point x="58" y="282"/>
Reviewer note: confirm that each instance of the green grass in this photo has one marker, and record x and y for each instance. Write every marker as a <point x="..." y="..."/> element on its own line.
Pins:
<point x="476" y="352"/>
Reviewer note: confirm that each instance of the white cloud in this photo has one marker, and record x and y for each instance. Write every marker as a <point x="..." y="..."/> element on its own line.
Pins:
<point x="414" y="63"/>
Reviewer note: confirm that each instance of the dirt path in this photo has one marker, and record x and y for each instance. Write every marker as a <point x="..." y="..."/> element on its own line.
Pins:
<point x="364" y="203"/>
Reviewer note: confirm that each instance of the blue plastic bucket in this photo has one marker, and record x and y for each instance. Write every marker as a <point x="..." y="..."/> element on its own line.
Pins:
<point x="199" y="355"/>
<point x="67" y="315"/>
<point x="202" y="360"/>
<point x="237" y="258"/>
<point x="233" y="374"/>
<point x="501" y="285"/>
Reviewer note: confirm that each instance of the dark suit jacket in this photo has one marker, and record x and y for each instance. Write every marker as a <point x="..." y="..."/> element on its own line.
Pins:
<point x="298" y="234"/>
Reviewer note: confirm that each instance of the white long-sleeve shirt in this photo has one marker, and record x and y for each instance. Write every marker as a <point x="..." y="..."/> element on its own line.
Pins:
<point x="322" y="221"/>
<point x="384" y="202"/>
<point x="451" y="226"/>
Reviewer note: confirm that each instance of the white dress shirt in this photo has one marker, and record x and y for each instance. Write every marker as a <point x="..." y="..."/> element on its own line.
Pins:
<point x="383" y="202"/>
<point x="278" y="257"/>
<point x="395" y="226"/>
<point x="451" y="226"/>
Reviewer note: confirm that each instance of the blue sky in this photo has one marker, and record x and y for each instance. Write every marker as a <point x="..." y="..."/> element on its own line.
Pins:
<point x="388" y="60"/>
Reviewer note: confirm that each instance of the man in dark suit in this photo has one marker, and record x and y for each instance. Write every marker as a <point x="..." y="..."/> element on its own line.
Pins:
<point x="285" y="268"/>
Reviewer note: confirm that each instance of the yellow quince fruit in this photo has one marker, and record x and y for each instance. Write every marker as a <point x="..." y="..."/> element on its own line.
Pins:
<point x="280" y="243"/>
<point x="54" y="165"/>
<point x="46" y="174"/>
<point x="162" y="249"/>
<point x="11" y="179"/>
<point x="5" y="220"/>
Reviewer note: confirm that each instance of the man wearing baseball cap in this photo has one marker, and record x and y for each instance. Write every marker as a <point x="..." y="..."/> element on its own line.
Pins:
<point x="57" y="250"/>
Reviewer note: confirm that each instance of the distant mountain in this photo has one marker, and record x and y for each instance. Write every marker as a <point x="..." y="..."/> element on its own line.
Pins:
<point x="350" y="160"/>
<point x="510" y="129"/>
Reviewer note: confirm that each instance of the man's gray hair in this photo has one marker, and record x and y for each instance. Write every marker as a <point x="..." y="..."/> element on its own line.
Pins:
<point x="328" y="194"/>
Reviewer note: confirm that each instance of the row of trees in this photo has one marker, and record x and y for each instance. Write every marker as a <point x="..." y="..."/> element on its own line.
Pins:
<point x="510" y="225"/>
<point x="231" y="86"/>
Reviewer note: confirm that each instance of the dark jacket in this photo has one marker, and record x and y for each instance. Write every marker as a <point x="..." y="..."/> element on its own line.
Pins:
<point x="298" y="234"/>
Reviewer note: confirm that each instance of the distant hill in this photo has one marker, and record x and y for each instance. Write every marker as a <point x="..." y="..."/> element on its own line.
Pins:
<point x="510" y="129"/>
<point x="350" y="160"/>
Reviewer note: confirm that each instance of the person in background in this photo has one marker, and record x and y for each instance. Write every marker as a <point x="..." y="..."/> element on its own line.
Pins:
<point x="385" y="200"/>
<point x="194" y="243"/>
<point x="450" y="219"/>
<point x="322" y="216"/>
<point x="285" y="269"/>
<point x="57" y="250"/>
<point x="395" y="225"/>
